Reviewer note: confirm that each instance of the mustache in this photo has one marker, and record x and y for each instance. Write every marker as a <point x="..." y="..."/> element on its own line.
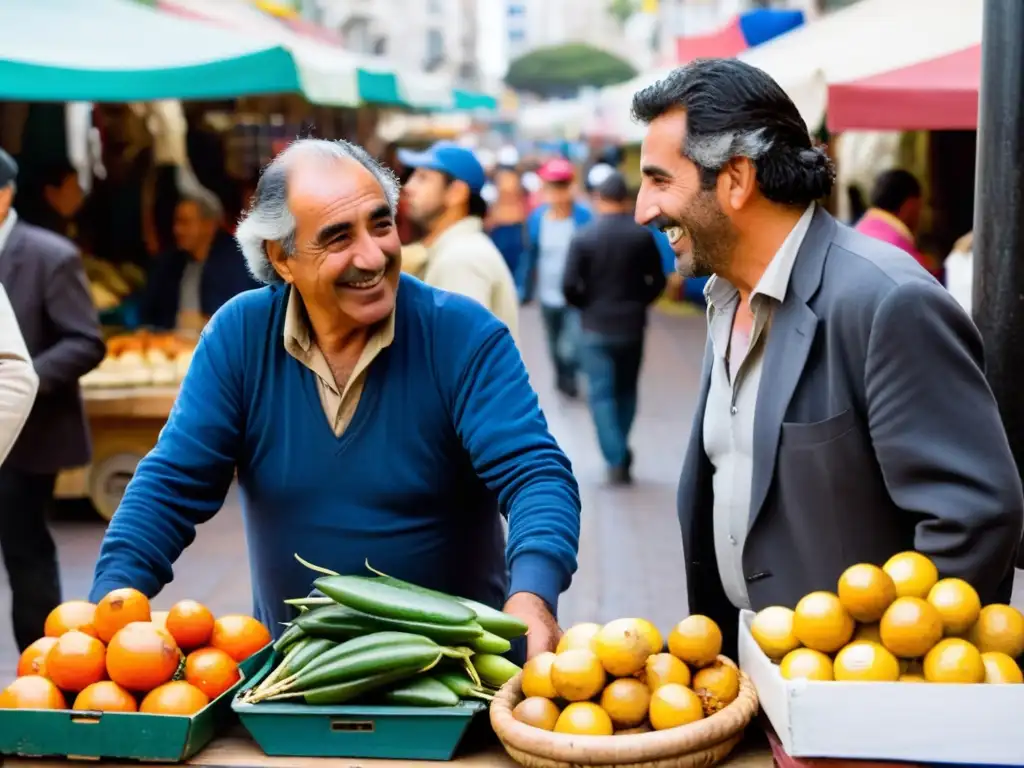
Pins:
<point x="357" y="275"/>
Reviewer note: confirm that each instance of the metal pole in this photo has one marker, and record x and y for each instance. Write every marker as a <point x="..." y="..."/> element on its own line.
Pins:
<point x="998" y="290"/>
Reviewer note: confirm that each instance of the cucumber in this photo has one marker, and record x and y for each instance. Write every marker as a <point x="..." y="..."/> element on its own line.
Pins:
<point x="491" y="619"/>
<point x="494" y="671"/>
<point x="460" y="684"/>
<point x="363" y="643"/>
<point x="421" y="692"/>
<point x="341" y="693"/>
<point x="408" y="656"/>
<point x="389" y="601"/>
<point x="488" y="642"/>
<point x="300" y="653"/>
<point x="288" y="637"/>
<point x="338" y="622"/>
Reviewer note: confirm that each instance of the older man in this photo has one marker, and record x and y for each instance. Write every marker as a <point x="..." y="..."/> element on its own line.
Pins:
<point x="369" y="416"/>
<point x="844" y="415"/>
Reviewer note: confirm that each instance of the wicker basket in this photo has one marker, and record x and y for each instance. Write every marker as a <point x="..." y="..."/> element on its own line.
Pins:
<point x="698" y="745"/>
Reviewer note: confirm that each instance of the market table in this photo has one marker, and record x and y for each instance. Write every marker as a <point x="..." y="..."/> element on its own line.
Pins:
<point x="237" y="750"/>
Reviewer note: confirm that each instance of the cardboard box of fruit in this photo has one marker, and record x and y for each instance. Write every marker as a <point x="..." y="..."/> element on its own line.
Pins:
<point x="616" y="695"/>
<point x="896" y="664"/>
<point x="119" y="680"/>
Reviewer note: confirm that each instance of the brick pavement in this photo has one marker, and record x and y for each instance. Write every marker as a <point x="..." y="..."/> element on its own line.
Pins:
<point x="630" y="550"/>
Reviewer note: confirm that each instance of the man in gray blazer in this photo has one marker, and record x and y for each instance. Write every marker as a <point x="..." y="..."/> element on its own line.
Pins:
<point x="844" y="414"/>
<point x="45" y="281"/>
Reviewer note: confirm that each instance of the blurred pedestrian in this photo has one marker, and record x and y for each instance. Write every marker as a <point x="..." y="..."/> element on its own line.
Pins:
<point x="443" y="195"/>
<point x="844" y="414"/>
<point x="895" y="215"/>
<point x="43" y="277"/>
<point x="613" y="274"/>
<point x="506" y="216"/>
<point x="550" y="230"/>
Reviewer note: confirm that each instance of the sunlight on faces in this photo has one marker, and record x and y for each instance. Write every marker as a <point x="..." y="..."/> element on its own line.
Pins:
<point x="428" y="195"/>
<point x="558" y="193"/>
<point x="347" y="258"/>
<point x="6" y="200"/>
<point x="700" y="223"/>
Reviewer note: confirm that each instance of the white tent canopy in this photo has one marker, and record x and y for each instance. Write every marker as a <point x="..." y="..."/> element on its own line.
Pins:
<point x="864" y="39"/>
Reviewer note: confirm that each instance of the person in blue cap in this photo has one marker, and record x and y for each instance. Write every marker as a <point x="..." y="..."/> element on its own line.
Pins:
<point x="444" y="198"/>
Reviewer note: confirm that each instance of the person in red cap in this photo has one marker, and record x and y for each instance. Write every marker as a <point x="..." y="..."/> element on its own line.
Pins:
<point x="550" y="230"/>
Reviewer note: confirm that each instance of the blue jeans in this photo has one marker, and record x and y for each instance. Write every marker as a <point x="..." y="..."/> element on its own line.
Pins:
<point x="561" y="326"/>
<point x="612" y="367"/>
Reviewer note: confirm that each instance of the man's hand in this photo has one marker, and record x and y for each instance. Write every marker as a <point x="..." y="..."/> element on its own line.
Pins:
<point x="544" y="632"/>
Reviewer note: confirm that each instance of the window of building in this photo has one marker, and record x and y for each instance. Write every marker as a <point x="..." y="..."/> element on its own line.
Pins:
<point x="434" y="7"/>
<point x="516" y="9"/>
<point x="435" y="48"/>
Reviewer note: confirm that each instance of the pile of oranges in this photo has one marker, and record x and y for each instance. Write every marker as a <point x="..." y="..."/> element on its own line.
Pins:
<point x="120" y="656"/>
<point x="897" y="623"/>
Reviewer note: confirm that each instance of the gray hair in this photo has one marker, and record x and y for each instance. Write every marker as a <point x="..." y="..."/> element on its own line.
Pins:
<point x="209" y="206"/>
<point x="714" y="150"/>
<point x="270" y="220"/>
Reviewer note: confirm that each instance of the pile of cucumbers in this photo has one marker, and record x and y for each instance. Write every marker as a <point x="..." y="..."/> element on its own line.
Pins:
<point x="380" y="640"/>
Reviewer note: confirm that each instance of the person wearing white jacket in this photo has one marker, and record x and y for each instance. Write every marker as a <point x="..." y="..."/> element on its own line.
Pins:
<point x="18" y="380"/>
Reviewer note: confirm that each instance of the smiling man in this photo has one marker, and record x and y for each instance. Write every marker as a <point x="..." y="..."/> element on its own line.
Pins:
<point x="369" y="417"/>
<point x="843" y="413"/>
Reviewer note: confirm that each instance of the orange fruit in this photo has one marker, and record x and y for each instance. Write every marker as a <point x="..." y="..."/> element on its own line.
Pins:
<point x="537" y="711"/>
<point x="954" y="661"/>
<point x="913" y="574"/>
<point x="866" y="591"/>
<point x="772" y="630"/>
<point x="697" y="640"/>
<point x="140" y="657"/>
<point x="190" y="623"/>
<point x="211" y="671"/>
<point x="32" y="692"/>
<point x="999" y="628"/>
<point x="239" y="636"/>
<point x="119" y="609"/>
<point x="74" y="614"/>
<point x="957" y="603"/>
<point x="76" y="661"/>
<point x="33" y="659"/>
<point x="821" y="622"/>
<point x="910" y="627"/>
<point x="674" y="705"/>
<point x="584" y="718"/>
<point x="177" y="698"/>
<point x="105" y="696"/>
<point x="806" y="664"/>
<point x="866" y="662"/>
<point x="1001" y="669"/>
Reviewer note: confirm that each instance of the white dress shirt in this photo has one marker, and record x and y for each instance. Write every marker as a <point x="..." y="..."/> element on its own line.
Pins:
<point x="18" y="380"/>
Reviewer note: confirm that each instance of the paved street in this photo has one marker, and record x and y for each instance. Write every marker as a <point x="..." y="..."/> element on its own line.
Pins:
<point x="630" y="550"/>
<point x="631" y="556"/>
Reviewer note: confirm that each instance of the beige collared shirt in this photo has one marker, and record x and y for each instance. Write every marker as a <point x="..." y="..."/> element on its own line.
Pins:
<point x="18" y="380"/>
<point x="732" y="397"/>
<point x="339" y="403"/>
<point x="465" y="260"/>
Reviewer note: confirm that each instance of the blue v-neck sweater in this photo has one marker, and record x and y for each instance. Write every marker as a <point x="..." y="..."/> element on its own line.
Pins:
<point x="447" y="434"/>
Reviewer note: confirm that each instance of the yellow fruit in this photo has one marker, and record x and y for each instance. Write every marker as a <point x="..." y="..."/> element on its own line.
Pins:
<point x="537" y="677"/>
<point x="913" y="574"/>
<point x="697" y="640"/>
<point x="806" y="664"/>
<point x="869" y="632"/>
<point x="664" y="668"/>
<point x="578" y="637"/>
<point x="957" y="603"/>
<point x="623" y="647"/>
<point x="866" y="662"/>
<point x="999" y="628"/>
<point x="866" y="591"/>
<point x="1000" y="668"/>
<point x="912" y="677"/>
<point x="584" y="719"/>
<point x="577" y="675"/>
<point x="717" y="686"/>
<point x="820" y="622"/>
<point x="911" y="627"/>
<point x="657" y="642"/>
<point x="772" y="630"/>
<point x="626" y="702"/>
<point x="674" y="705"/>
<point x="538" y="712"/>
<point x="954" y="661"/>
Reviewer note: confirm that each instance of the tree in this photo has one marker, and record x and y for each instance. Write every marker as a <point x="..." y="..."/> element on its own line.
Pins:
<point x="562" y="70"/>
<point x="622" y="10"/>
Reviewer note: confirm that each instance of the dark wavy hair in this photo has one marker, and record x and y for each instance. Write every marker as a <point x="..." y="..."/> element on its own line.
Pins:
<point x="736" y="110"/>
<point x="893" y="188"/>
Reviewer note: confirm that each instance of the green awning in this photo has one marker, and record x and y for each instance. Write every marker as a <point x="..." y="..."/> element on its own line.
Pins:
<point x="471" y="100"/>
<point x="119" y="50"/>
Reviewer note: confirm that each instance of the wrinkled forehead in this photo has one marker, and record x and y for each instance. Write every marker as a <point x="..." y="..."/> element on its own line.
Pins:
<point x="335" y="187"/>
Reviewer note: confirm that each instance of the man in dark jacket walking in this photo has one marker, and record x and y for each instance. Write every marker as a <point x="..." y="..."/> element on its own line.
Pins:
<point x="42" y="274"/>
<point x="613" y="274"/>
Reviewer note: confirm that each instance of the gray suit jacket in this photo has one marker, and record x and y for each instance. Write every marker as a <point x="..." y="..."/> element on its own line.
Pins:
<point x="45" y="281"/>
<point x="875" y="432"/>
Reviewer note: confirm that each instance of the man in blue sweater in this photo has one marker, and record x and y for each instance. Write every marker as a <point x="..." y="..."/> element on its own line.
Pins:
<point x="369" y="417"/>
